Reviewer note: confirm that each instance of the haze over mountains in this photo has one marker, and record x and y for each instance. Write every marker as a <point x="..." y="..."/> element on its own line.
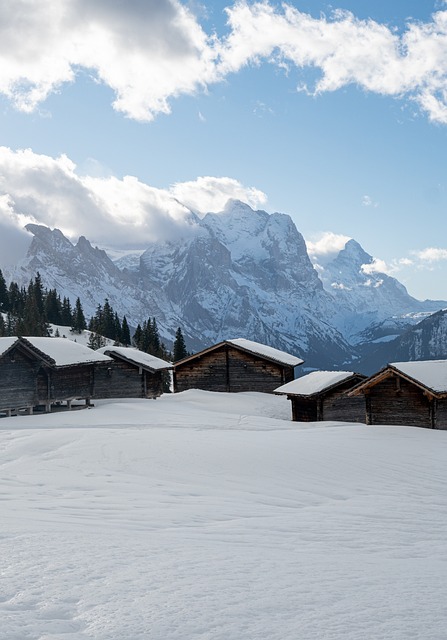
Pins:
<point x="243" y="273"/>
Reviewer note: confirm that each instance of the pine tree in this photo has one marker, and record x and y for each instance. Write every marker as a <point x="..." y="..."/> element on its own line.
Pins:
<point x="125" y="333"/>
<point x="137" y="339"/>
<point x="66" y="313"/>
<point x="107" y="324"/>
<point x="79" y="323"/>
<point x="4" y="298"/>
<point x="53" y="307"/>
<point x="16" y="297"/>
<point x="96" y="341"/>
<point x="179" y="348"/>
<point x="33" y="321"/>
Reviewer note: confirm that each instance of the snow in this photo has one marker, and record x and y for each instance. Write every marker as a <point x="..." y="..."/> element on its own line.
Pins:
<point x="137" y="356"/>
<point x="65" y="352"/>
<point x="314" y="382"/>
<point x="266" y="351"/>
<point x="6" y="343"/>
<point x="430" y="373"/>
<point x="82" y="337"/>
<point x="205" y="516"/>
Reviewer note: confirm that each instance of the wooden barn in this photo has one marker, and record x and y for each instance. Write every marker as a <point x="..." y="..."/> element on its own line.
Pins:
<point x="43" y="371"/>
<point x="321" y="395"/>
<point x="235" y="365"/>
<point x="133" y="374"/>
<point x="407" y="393"/>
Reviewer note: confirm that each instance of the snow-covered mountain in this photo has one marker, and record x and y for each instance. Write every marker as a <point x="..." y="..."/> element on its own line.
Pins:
<point x="239" y="273"/>
<point x="246" y="273"/>
<point x="371" y="305"/>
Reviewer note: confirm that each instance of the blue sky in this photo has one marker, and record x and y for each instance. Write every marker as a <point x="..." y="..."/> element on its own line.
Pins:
<point x="333" y="113"/>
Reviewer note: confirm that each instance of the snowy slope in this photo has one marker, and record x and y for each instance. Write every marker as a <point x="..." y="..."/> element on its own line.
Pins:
<point x="207" y="517"/>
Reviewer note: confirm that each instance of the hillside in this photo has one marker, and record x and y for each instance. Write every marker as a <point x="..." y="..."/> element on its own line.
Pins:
<point x="204" y="516"/>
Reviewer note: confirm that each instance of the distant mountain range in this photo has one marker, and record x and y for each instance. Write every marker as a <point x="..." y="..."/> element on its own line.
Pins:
<point x="245" y="273"/>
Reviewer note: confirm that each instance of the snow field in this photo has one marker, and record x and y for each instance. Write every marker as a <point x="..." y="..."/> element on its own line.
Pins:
<point x="214" y="517"/>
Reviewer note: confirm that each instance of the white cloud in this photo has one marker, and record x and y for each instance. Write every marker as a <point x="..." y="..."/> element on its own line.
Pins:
<point x="14" y="240"/>
<point x="208" y="194"/>
<point x="430" y="255"/>
<point x="151" y="51"/>
<point x="109" y="211"/>
<point x="325" y="247"/>
<point x="377" y="266"/>
<point x="147" y="51"/>
<point x="346" y="50"/>
<point x="367" y="201"/>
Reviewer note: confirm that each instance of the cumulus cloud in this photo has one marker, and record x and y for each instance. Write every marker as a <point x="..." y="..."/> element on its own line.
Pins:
<point x="113" y="212"/>
<point x="325" y="247"/>
<point x="208" y="194"/>
<point x="147" y="51"/>
<point x="431" y="255"/>
<point x="377" y="266"/>
<point x="346" y="50"/>
<point x="151" y="51"/>
<point x="14" y="240"/>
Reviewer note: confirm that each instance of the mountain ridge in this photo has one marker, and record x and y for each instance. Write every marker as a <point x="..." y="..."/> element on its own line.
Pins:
<point x="239" y="273"/>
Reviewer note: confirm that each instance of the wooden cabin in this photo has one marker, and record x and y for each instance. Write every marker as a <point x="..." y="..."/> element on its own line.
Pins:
<point x="133" y="374"/>
<point x="321" y="395"/>
<point x="407" y="393"/>
<point x="234" y="366"/>
<point x="40" y="371"/>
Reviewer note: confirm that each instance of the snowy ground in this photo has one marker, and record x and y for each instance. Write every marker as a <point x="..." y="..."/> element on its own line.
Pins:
<point x="213" y="517"/>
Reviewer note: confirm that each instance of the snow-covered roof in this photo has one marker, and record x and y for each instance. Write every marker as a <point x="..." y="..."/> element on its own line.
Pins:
<point x="6" y="343"/>
<point x="267" y="352"/>
<point x="314" y="382"/>
<point x="432" y="374"/>
<point x="138" y="357"/>
<point x="64" y="352"/>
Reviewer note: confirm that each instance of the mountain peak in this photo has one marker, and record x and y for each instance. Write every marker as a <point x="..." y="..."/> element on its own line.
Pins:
<point x="354" y="253"/>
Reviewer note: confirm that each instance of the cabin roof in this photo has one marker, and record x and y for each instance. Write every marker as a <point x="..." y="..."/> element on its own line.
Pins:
<point x="255" y="348"/>
<point x="315" y="382"/>
<point x="135" y="356"/>
<point x="429" y="375"/>
<point x="6" y="343"/>
<point x="62" y="352"/>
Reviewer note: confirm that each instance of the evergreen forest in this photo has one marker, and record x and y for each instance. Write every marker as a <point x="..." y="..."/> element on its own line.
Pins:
<point x="29" y="311"/>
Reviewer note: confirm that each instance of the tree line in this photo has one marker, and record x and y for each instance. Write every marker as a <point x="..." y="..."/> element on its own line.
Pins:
<point x="30" y="311"/>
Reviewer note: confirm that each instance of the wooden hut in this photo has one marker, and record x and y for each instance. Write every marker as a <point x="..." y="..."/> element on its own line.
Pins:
<point x="407" y="393"/>
<point x="133" y="374"/>
<point x="39" y="371"/>
<point x="235" y="365"/>
<point x="321" y="395"/>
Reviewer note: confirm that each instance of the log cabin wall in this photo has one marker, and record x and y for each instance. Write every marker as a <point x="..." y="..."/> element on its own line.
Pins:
<point x="153" y="383"/>
<point x="228" y="369"/>
<point x="71" y="382"/>
<point x="208" y="372"/>
<point x="441" y="413"/>
<point x="118" y="379"/>
<point x="337" y="406"/>
<point x="17" y="381"/>
<point x="304" y="409"/>
<point x="248" y="372"/>
<point x="397" y="401"/>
